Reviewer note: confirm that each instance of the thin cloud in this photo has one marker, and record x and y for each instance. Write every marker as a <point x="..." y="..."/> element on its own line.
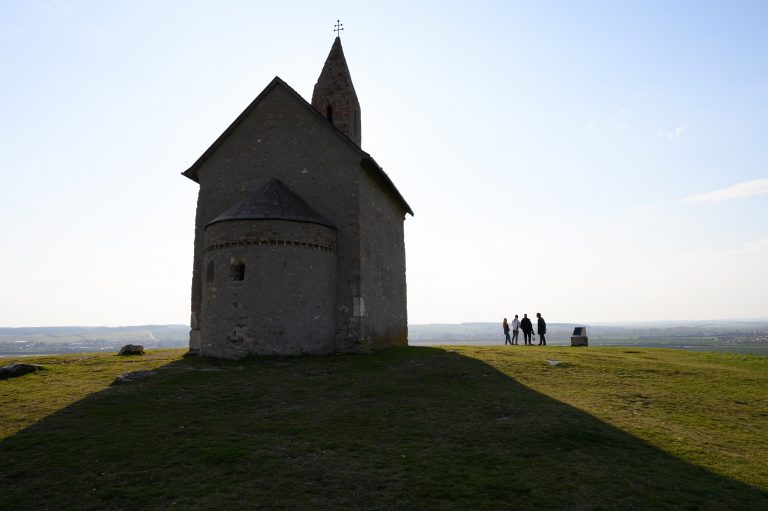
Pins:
<point x="670" y="134"/>
<point x="757" y="246"/>
<point x="737" y="191"/>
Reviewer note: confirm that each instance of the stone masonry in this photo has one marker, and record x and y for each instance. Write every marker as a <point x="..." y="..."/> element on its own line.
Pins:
<point x="299" y="243"/>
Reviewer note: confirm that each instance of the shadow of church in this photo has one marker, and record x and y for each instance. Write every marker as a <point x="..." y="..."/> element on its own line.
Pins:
<point x="411" y="428"/>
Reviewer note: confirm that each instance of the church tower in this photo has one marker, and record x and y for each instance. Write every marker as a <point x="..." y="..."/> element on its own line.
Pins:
<point x="334" y="95"/>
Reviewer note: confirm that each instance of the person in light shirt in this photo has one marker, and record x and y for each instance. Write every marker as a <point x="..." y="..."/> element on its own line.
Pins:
<point x="515" y="329"/>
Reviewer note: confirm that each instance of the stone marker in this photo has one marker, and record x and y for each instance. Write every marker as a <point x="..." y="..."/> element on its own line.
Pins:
<point x="579" y="337"/>
<point x="132" y="376"/>
<point x="132" y="349"/>
<point x="14" y="370"/>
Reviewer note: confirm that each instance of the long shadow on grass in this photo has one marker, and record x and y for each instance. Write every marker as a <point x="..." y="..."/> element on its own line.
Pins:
<point x="416" y="428"/>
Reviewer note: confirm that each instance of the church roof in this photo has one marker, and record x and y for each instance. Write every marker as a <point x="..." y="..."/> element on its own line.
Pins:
<point x="335" y="96"/>
<point x="336" y="71"/>
<point x="273" y="201"/>
<point x="367" y="161"/>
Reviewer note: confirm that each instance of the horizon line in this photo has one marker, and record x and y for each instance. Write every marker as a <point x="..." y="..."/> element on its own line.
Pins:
<point x="585" y="323"/>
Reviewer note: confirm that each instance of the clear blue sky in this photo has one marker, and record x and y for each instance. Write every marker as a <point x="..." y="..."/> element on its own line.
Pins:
<point x="595" y="160"/>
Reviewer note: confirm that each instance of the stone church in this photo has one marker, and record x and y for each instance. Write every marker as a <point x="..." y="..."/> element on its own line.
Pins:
<point x="299" y="244"/>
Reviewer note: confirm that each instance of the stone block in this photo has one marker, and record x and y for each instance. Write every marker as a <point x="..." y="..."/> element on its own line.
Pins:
<point x="132" y="349"/>
<point x="14" y="370"/>
<point x="579" y="340"/>
<point x="579" y="337"/>
<point x="194" y="341"/>
<point x="132" y="376"/>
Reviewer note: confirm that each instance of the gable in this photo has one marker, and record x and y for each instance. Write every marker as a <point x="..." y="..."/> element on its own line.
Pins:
<point x="367" y="163"/>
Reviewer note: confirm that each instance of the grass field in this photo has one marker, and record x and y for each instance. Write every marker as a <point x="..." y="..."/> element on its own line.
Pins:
<point x="412" y="428"/>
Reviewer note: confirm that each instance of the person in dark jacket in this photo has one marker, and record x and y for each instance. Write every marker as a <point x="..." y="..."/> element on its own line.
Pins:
<point x="505" y="326"/>
<point x="527" y="327"/>
<point x="542" y="329"/>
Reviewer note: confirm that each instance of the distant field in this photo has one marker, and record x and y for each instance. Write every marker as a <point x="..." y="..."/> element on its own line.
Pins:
<point x="702" y="345"/>
<point x="759" y="349"/>
<point x="414" y="428"/>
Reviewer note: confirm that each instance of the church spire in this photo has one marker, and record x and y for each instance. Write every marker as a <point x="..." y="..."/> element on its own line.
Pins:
<point x="334" y="95"/>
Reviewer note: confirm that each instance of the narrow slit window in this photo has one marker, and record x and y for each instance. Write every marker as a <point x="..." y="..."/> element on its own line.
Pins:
<point x="329" y="113"/>
<point x="238" y="271"/>
<point x="209" y="273"/>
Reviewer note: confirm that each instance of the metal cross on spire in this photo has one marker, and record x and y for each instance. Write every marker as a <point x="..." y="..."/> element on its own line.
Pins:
<point x="338" y="27"/>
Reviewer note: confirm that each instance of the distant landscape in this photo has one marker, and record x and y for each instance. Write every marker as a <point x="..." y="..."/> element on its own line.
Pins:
<point x="735" y="336"/>
<point x="738" y="336"/>
<point x="78" y="339"/>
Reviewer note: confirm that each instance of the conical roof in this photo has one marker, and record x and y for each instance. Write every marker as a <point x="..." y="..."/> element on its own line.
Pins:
<point x="273" y="201"/>
<point x="335" y="73"/>
<point x="334" y="95"/>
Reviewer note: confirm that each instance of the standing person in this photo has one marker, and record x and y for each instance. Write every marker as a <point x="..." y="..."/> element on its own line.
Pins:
<point x="505" y="326"/>
<point x="527" y="328"/>
<point x="515" y="327"/>
<point x="542" y="329"/>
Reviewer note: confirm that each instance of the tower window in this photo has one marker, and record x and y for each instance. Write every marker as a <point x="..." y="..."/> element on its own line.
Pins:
<point x="237" y="271"/>
<point x="209" y="273"/>
<point x="329" y="113"/>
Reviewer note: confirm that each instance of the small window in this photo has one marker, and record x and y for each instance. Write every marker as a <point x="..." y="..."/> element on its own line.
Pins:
<point x="209" y="273"/>
<point x="238" y="271"/>
<point x="329" y="113"/>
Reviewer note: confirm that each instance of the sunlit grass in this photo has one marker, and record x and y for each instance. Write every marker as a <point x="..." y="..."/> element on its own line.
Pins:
<point x="65" y="380"/>
<point x="711" y="409"/>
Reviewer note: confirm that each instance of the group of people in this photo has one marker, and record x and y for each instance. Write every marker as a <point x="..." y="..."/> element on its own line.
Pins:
<point x="527" y="327"/>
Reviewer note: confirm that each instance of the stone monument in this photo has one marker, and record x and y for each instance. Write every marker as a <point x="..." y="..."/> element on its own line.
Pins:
<point x="579" y="337"/>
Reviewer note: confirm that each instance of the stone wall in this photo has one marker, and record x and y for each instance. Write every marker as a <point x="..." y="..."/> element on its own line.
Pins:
<point x="382" y="250"/>
<point x="281" y="299"/>
<point x="281" y="139"/>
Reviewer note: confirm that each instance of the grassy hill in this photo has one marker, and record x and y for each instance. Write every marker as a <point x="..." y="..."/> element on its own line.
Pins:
<point x="413" y="428"/>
